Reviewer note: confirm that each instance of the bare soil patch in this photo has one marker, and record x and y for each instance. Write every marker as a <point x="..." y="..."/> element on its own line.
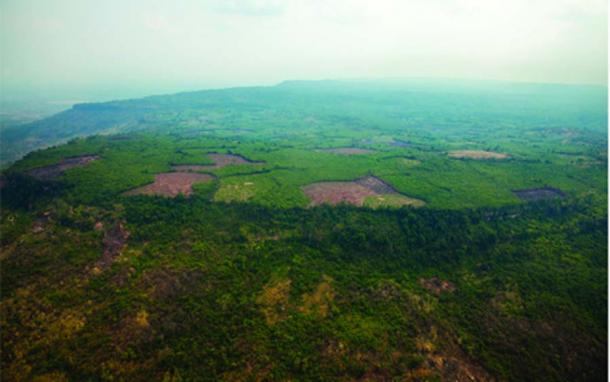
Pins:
<point x="337" y="192"/>
<point x="375" y="184"/>
<point x="533" y="194"/>
<point x="114" y="241"/>
<point x="171" y="184"/>
<point x="369" y="189"/>
<point x="220" y="160"/>
<point x="477" y="154"/>
<point x="55" y="170"/>
<point x="347" y="151"/>
<point x="437" y="286"/>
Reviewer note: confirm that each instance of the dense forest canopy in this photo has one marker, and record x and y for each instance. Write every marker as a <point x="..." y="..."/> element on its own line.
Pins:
<point x="332" y="230"/>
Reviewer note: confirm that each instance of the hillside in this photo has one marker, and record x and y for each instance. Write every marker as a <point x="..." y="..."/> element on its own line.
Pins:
<point x="333" y="230"/>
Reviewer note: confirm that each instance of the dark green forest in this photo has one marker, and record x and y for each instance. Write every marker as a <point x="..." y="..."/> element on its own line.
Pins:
<point x="462" y="235"/>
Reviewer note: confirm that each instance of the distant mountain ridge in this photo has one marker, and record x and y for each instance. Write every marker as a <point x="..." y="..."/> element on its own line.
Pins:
<point x="581" y="104"/>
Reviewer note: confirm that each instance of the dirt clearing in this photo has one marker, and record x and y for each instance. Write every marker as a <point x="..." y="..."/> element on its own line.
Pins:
<point x="171" y="184"/>
<point x="337" y="192"/>
<point x="220" y="161"/>
<point x="347" y="151"/>
<point x="370" y="191"/>
<point x="55" y="170"/>
<point x="533" y="194"/>
<point x="477" y="154"/>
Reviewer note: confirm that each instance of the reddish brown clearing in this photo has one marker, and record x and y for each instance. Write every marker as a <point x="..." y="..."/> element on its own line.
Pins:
<point x="353" y="192"/>
<point x="348" y="151"/>
<point x="220" y="160"/>
<point x="171" y="184"/>
<point x="337" y="192"/>
<point x="55" y="170"/>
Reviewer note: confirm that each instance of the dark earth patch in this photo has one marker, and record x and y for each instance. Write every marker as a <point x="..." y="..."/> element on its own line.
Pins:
<point x="533" y="194"/>
<point x="55" y="170"/>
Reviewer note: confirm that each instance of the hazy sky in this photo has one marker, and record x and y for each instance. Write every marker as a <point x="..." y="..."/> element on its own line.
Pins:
<point x="148" y="46"/>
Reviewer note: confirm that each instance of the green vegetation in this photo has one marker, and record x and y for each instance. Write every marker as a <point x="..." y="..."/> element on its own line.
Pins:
<point x="242" y="281"/>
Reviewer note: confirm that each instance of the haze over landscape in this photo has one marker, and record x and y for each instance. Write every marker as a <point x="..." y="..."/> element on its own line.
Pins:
<point x="118" y="49"/>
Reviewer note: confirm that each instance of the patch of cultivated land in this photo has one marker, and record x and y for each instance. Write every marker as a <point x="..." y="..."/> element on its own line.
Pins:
<point x="337" y="192"/>
<point x="533" y="194"/>
<point x="370" y="191"/>
<point x="477" y="154"/>
<point x="55" y="170"/>
<point x="171" y="184"/>
<point x="237" y="192"/>
<point x="347" y="151"/>
<point x="220" y="160"/>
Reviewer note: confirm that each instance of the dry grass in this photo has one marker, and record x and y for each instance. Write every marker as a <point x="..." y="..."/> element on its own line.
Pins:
<point x="274" y="300"/>
<point x="319" y="301"/>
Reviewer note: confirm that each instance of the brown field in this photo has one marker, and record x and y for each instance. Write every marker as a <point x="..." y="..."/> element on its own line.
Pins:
<point x="477" y="154"/>
<point x="337" y="192"/>
<point x="347" y="151"/>
<point x="55" y="170"/>
<point x="376" y="185"/>
<point x="171" y="184"/>
<point x="369" y="190"/>
<point x="220" y="160"/>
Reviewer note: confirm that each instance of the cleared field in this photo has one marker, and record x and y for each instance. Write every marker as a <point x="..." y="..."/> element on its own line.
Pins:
<point x="171" y="184"/>
<point x="53" y="171"/>
<point x="477" y="154"/>
<point x="533" y="194"/>
<point x="368" y="191"/>
<point x="337" y="192"/>
<point x="237" y="192"/>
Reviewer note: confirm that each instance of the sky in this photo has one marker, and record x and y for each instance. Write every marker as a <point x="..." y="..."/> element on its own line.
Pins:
<point x="140" y="47"/>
